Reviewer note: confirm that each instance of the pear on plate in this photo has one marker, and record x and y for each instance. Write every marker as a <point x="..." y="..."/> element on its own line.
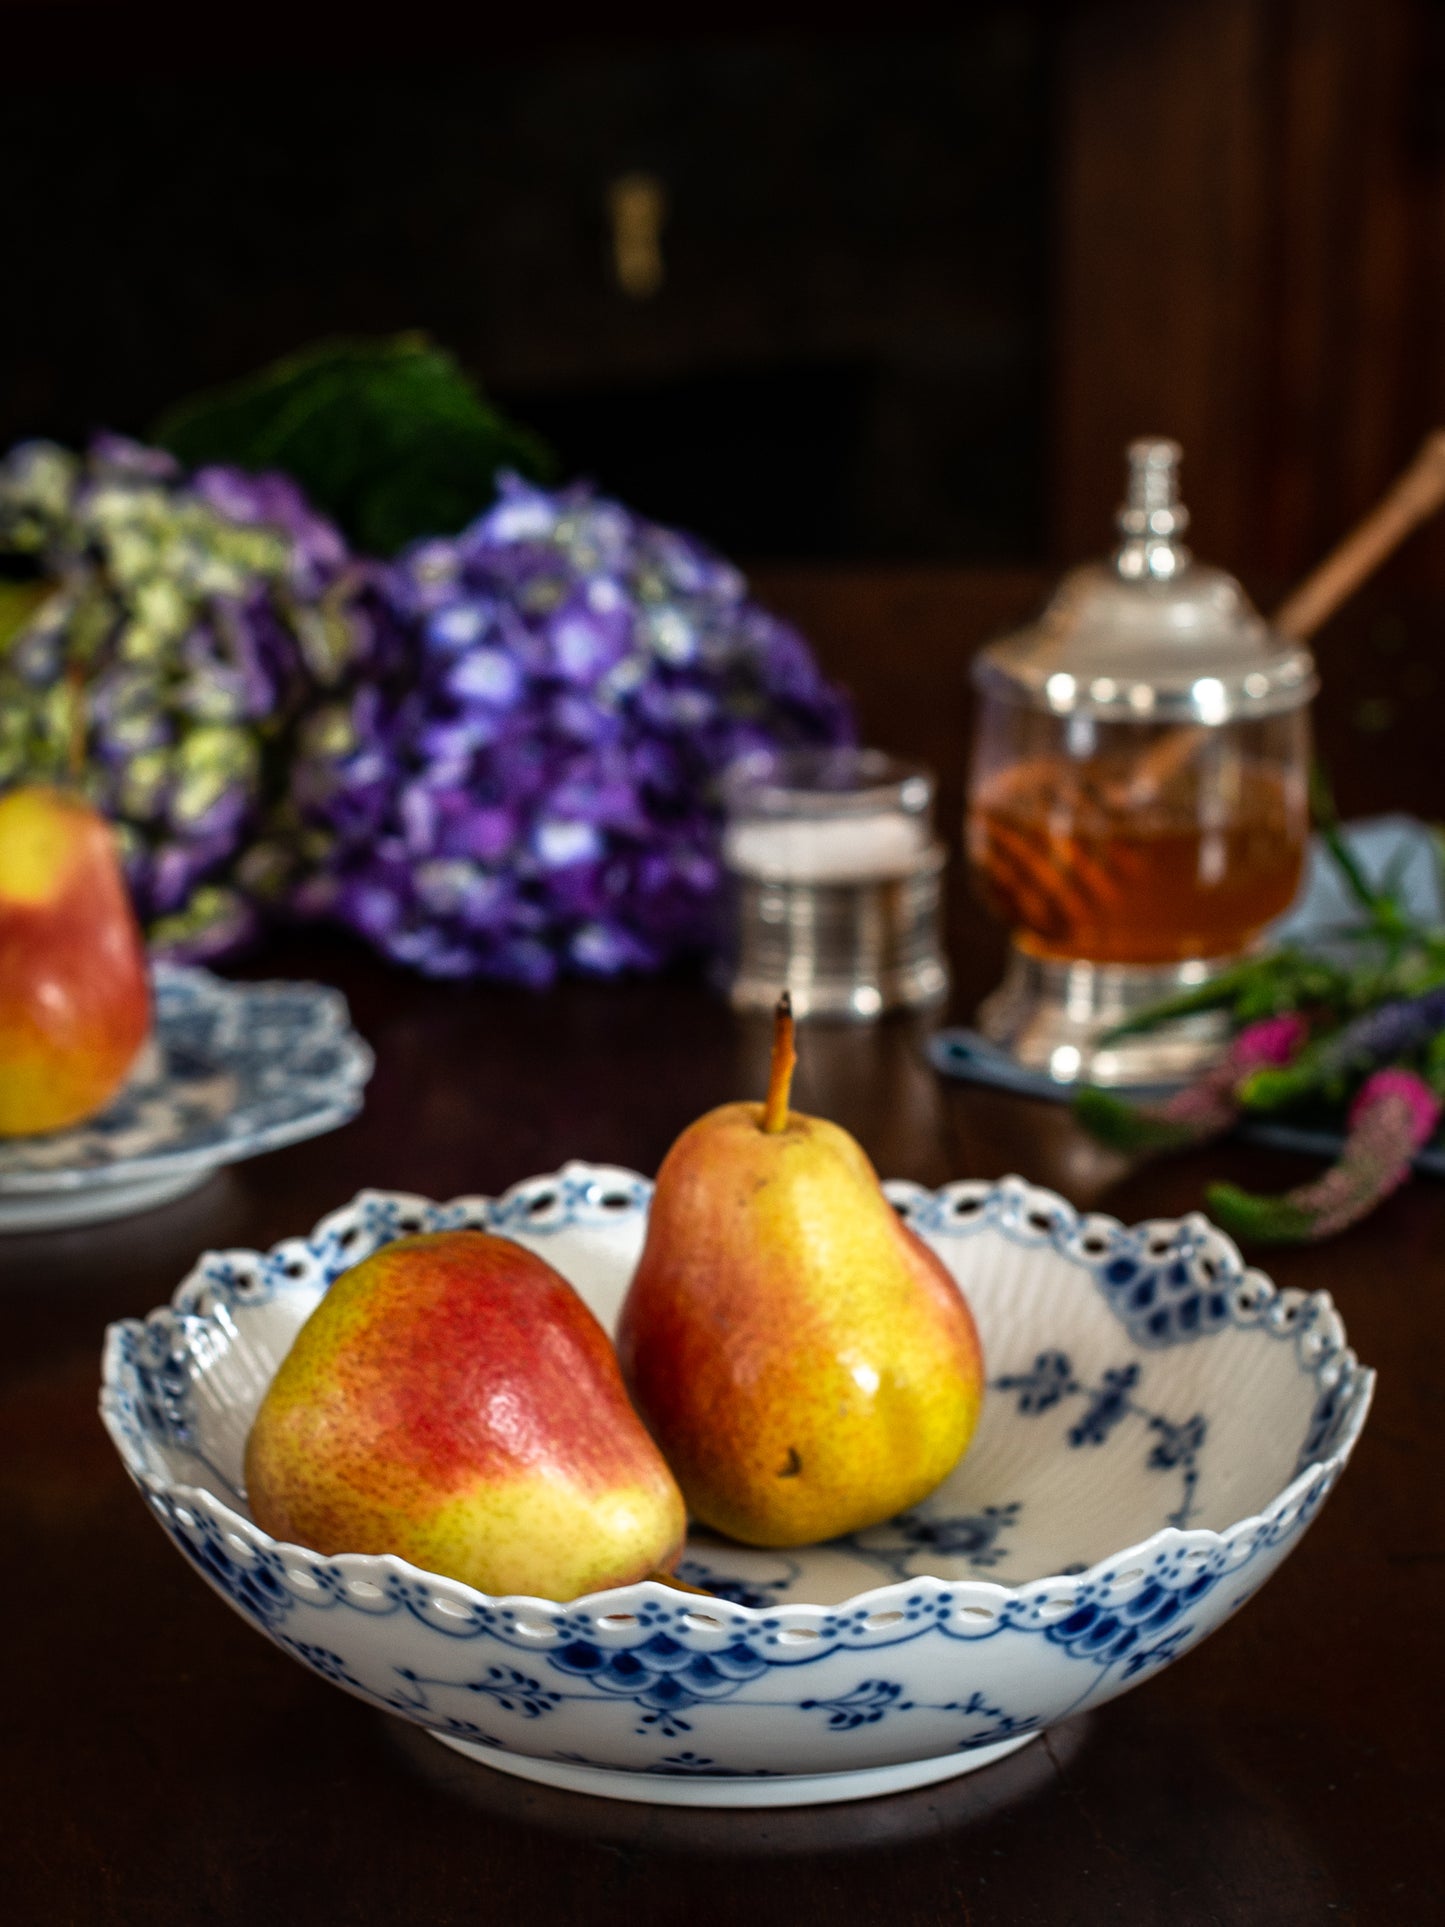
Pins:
<point x="75" y="1003"/>
<point x="808" y="1366"/>
<point x="452" y="1400"/>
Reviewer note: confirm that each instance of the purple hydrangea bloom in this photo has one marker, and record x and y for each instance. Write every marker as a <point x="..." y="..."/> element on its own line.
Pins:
<point x="202" y="618"/>
<point x="497" y="757"/>
<point x="534" y="788"/>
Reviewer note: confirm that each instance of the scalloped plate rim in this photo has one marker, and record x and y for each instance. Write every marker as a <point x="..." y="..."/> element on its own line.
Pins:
<point x="617" y="1600"/>
<point x="65" y="1180"/>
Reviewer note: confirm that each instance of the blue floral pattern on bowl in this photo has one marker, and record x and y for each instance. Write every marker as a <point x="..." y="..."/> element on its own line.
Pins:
<point x="1134" y="1480"/>
<point x="232" y="1069"/>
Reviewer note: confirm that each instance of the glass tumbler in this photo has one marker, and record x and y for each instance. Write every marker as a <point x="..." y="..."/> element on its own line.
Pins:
<point x="835" y="884"/>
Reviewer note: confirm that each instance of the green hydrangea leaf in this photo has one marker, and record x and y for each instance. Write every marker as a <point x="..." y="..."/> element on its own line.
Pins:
<point x="390" y="438"/>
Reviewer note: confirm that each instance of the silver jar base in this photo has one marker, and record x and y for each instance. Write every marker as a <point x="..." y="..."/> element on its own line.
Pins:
<point x="1049" y="1015"/>
<point x="841" y="950"/>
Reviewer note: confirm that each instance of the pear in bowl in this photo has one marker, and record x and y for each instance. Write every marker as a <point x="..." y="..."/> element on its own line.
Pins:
<point x="807" y="1364"/>
<point x="452" y="1401"/>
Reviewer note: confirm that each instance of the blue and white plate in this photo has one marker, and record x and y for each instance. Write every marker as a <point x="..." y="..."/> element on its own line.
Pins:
<point x="231" y="1069"/>
<point x="1161" y="1424"/>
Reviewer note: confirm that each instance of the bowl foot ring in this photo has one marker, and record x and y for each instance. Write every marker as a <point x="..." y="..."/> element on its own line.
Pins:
<point x="741" y="1790"/>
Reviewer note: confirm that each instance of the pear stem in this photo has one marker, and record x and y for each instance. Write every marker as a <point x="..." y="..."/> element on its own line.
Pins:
<point x="780" y="1077"/>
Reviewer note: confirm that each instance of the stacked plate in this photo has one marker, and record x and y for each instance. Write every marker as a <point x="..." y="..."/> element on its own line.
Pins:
<point x="232" y="1069"/>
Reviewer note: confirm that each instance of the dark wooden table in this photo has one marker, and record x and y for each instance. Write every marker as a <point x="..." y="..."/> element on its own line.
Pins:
<point x="162" y="1764"/>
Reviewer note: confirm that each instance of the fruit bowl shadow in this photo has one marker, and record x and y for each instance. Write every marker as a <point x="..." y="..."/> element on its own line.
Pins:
<point x="1161" y="1424"/>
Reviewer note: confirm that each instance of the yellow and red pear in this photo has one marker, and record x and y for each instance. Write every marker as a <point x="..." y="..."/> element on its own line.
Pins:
<point x="74" y="991"/>
<point x="453" y="1401"/>
<point x="808" y="1366"/>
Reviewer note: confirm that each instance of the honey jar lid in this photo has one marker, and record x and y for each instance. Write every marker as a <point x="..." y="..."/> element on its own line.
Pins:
<point x="1151" y="635"/>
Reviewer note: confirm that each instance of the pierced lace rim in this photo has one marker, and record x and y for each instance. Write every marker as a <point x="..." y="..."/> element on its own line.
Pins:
<point x="1233" y="1546"/>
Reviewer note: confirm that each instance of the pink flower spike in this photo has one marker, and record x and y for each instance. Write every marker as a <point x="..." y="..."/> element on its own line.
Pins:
<point x="1419" y="1103"/>
<point x="1394" y="1114"/>
<point x="1268" y="1044"/>
<point x="1204" y="1109"/>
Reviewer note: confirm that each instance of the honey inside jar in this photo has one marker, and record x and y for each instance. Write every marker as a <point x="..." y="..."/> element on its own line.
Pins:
<point x="1115" y="859"/>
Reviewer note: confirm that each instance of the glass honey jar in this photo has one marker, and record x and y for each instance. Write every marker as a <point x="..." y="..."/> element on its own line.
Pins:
<point x="1138" y="804"/>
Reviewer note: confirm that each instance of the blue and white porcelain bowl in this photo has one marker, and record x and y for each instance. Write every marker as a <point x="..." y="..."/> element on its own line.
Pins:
<point x="1161" y="1425"/>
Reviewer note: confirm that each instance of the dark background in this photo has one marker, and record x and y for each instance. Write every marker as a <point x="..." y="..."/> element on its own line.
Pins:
<point x="846" y="352"/>
<point x="919" y="282"/>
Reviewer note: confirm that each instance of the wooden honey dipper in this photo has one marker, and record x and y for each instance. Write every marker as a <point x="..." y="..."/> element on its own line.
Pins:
<point x="1412" y="498"/>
